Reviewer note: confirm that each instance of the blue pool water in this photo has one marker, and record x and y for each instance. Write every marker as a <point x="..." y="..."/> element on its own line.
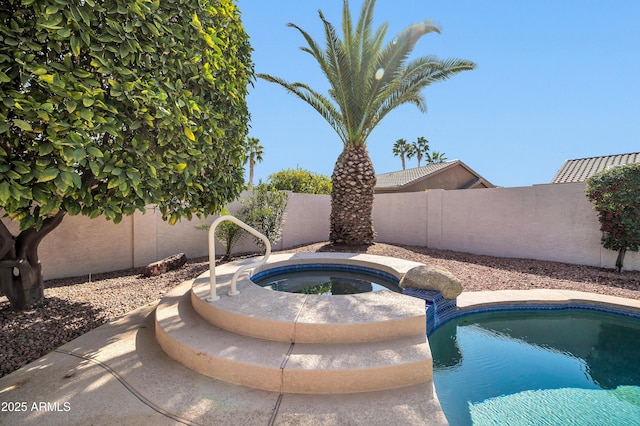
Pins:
<point x="566" y="367"/>
<point x="326" y="279"/>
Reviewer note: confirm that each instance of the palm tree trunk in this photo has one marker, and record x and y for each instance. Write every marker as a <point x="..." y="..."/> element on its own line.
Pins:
<point x="252" y="163"/>
<point x="353" y="180"/>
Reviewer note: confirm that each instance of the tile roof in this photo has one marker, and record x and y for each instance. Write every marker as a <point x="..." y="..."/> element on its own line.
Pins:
<point x="404" y="177"/>
<point x="581" y="169"/>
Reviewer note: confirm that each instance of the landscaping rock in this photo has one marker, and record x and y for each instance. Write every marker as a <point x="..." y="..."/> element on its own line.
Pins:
<point x="167" y="264"/>
<point x="431" y="277"/>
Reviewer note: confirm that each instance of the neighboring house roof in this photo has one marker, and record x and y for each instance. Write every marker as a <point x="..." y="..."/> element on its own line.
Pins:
<point x="403" y="178"/>
<point x="581" y="169"/>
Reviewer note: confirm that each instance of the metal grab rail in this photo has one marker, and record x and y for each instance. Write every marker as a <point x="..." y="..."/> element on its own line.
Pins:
<point x="212" y="256"/>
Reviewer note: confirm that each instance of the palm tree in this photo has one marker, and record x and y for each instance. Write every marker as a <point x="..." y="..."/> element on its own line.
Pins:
<point x="436" y="157"/>
<point x="402" y="149"/>
<point x="368" y="79"/>
<point x="419" y="148"/>
<point x="254" y="153"/>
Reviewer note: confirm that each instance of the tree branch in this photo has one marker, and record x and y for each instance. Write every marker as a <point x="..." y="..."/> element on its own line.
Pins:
<point x="7" y="240"/>
<point x="11" y="263"/>
<point x="28" y="240"/>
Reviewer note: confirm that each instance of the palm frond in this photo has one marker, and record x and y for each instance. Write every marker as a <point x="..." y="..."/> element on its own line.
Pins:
<point x="388" y="66"/>
<point x="340" y="71"/>
<point x="362" y="40"/>
<point x="437" y="69"/>
<point x="347" y="27"/>
<point x="314" y="50"/>
<point x="392" y="58"/>
<point x="316" y="100"/>
<point x="367" y="78"/>
<point x="414" y="77"/>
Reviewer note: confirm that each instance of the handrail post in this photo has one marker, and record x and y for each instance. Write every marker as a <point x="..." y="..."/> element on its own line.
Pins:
<point x="212" y="256"/>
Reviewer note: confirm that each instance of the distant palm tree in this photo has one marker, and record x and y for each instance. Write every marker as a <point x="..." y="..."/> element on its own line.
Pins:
<point x="401" y="149"/>
<point x="419" y="148"/>
<point x="254" y="154"/>
<point x="367" y="79"/>
<point x="436" y="157"/>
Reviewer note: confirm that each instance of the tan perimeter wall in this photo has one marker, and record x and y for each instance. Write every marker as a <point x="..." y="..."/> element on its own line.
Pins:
<point x="546" y="222"/>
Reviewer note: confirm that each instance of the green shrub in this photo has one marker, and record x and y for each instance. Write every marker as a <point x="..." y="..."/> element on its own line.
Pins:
<point x="616" y="196"/>
<point x="264" y="211"/>
<point x="227" y="233"/>
<point x="301" y="181"/>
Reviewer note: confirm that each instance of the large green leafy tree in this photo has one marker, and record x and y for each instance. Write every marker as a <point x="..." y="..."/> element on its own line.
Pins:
<point x="109" y="106"/>
<point x="368" y="79"/>
<point x="615" y="194"/>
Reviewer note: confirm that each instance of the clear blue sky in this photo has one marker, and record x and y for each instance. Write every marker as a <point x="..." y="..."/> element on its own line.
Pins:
<point x="555" y="80"/>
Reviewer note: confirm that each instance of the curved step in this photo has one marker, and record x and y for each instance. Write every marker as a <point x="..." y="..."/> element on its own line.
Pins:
<point x="212" y="351"/>
<point x="288" y="317"/>
<point x="357" y="367"/>
<point x="287" y="367"/>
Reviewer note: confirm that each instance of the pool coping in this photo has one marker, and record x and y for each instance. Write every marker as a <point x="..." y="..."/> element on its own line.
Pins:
<point x="544" y="299"/>
<point x="519" y="300"/>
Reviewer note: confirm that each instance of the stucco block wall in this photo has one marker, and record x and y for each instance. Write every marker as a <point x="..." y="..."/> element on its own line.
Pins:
<point x="546" y="222"/>
<point x="401" y="217"/>
<point x="83" y="246"/>
<point x="183" y="237"/>
<point x="307" y="220"/>
<point x="542" y="222"/>
<point x="187" y="237"/>
<point x="145" y="247"/>
<point x="108" y="249"/>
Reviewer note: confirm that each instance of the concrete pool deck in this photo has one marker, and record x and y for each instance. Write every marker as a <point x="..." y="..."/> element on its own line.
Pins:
<point x="118" y="374"/>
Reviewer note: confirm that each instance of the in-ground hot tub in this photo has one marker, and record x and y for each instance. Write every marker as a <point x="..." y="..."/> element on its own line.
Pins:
<point x="326" y="279"/>
<point x="301" y="343"/>
<point x="283" y="316"/>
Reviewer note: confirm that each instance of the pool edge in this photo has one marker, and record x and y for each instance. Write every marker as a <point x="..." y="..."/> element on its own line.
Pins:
<point x="537" y="299"/>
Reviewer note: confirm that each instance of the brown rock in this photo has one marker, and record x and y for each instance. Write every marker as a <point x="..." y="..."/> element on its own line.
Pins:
<point x="432" y="277"/>
<point x="167" y="264"/>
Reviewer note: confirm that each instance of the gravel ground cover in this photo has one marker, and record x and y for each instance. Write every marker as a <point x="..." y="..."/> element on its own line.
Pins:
<point x="74" y="306"/>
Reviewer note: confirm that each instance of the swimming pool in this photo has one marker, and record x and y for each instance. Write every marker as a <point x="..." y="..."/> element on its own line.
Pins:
<point x="537" y="367"/>
<point x="326" y="279"/>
